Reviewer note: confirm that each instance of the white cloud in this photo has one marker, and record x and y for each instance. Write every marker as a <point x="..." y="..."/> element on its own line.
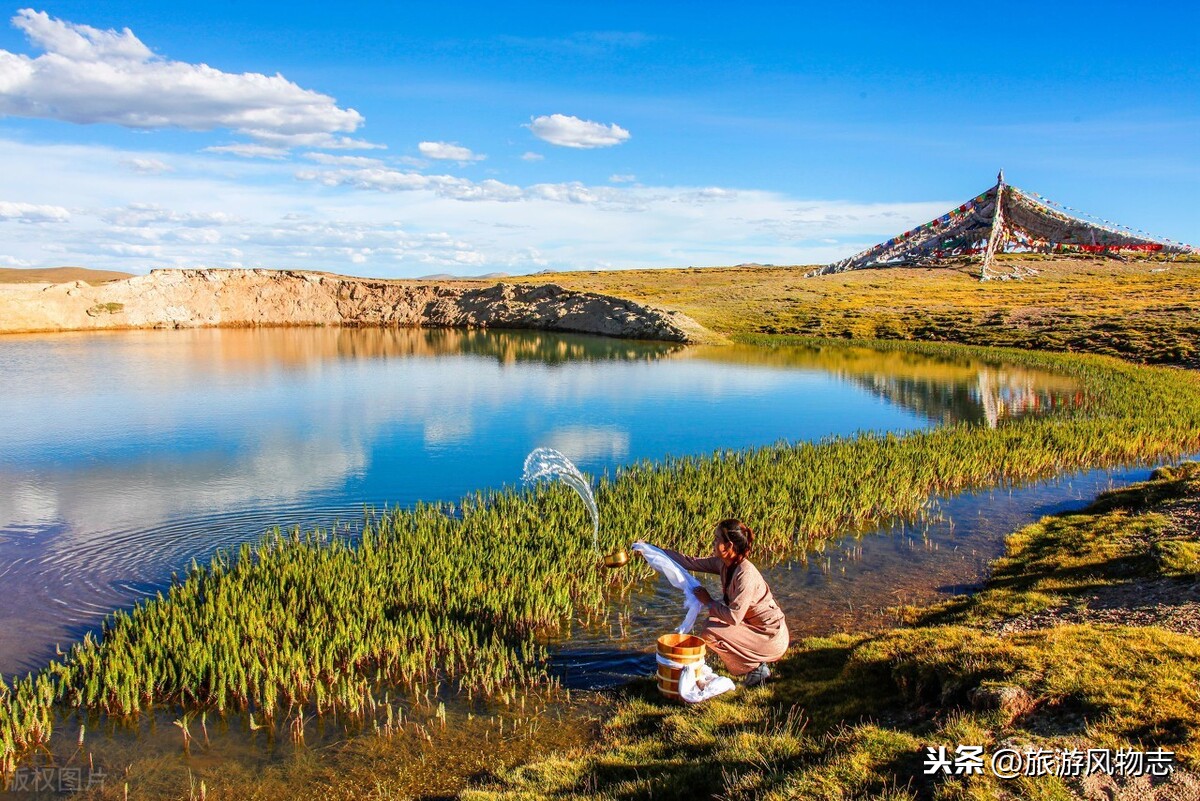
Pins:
<point x="576" y="192"/>
<point x="136" y="251"/>
<point x="194" y="236"/>
<point x="9" y="261"/>
<point x="529" y="155"/>
<point x="622" y="179"/>
<point x="448" y="151"/>
<point x="32" y="212"/>
<point x="706" y="195"/>
<point x="147" y="166"/>
<point x="384" y="179"/>
<point x="324" y="141"/>
<point x="136" y="215"/>
<point x="249" y="150"/>
<point x="86" y="75"/>
<point x="388" y="180"/>
<point x="343" y="161"/>
<point x="567" y="131"/>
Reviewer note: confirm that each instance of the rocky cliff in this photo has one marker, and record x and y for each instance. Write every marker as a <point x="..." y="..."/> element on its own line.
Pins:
<point x="240" y="298"/>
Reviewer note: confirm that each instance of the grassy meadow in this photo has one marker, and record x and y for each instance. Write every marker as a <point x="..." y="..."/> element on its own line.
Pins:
<point x="1143" y="311"/>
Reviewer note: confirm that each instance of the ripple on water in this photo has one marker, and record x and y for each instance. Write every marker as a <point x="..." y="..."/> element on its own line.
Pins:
<point x="57" y="588"/>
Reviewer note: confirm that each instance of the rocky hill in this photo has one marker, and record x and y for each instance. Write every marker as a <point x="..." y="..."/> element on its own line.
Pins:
<point x="240" y="298"/>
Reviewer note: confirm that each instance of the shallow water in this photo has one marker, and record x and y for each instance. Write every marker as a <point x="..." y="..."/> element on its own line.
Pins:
<point x="425" y="751"/>
<point x="849" y="584"/>
<point x="126" y="454"/>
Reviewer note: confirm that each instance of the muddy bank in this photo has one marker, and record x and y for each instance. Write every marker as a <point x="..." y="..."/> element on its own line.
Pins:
<point x="241" y="298"/>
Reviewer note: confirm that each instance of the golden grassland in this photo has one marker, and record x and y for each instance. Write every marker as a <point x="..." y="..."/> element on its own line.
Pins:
<point x="1143" y="311"/>
<point x="59" y="275"/>
<point x="850" y="716"/>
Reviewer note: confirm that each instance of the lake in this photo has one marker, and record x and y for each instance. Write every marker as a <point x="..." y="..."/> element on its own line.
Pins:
<point x="123" y="455"/>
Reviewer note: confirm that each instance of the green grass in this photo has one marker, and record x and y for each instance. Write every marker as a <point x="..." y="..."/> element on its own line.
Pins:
<point x="850" y="716"/>
<point x="459" y="595"/>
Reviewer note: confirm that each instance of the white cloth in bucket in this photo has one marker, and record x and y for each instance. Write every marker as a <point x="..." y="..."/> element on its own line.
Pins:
<point x="697" y="682"/>
<point x="679" y="578"/>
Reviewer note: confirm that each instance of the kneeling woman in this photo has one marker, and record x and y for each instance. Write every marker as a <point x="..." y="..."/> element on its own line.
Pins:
<point x="745" y="627"/>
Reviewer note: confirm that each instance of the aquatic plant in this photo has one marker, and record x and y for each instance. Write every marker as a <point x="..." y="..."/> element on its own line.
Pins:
<point x="461" y="595"/>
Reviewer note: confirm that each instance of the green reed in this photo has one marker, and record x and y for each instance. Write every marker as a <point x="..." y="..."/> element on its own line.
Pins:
<point x="463" y="594"/>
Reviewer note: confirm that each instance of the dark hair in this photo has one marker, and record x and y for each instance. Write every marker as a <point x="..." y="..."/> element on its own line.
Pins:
<point x="737" y="534"/>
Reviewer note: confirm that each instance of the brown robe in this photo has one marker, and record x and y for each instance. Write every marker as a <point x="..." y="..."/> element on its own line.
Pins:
<point x="746" y="627"/>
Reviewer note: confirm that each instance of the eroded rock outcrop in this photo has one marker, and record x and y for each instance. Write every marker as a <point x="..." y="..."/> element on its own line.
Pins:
<point x="236" y="298"/>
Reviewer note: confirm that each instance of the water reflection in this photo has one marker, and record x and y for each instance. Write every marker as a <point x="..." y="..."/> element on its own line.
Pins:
<point x="125" y="454"/>
<point x="294" y="348"/>
<point x="942" y="389"/>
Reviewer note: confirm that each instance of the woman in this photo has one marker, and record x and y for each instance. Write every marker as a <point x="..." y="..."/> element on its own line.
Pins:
<point x="745" y="627"/>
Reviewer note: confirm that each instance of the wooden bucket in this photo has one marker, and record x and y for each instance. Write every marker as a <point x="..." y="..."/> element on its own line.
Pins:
<point x="685" y="649"/>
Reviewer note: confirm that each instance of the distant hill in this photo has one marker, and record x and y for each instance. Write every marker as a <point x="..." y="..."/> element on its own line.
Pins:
<point x="59" y="275"/>
<point x="449" y="277"/>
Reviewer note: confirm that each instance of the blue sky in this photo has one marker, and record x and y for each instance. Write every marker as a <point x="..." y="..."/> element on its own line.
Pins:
<point x="572" y="136"/>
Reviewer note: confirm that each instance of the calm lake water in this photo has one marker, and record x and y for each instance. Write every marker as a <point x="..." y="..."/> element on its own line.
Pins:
<point x="123" y="455"/>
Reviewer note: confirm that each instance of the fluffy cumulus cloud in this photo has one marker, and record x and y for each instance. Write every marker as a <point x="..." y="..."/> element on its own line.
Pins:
<point x="448" y="151"/>
<point x="567" y="131"/>
<point x="32" y="212"/>
<point x="88" y="75"/>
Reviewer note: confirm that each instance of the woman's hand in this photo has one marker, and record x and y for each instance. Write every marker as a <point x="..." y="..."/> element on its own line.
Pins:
<point x="702" y="596"/>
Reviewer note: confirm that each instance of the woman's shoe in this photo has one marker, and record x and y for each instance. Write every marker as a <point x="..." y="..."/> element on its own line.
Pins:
<point x="757" y="676"/>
